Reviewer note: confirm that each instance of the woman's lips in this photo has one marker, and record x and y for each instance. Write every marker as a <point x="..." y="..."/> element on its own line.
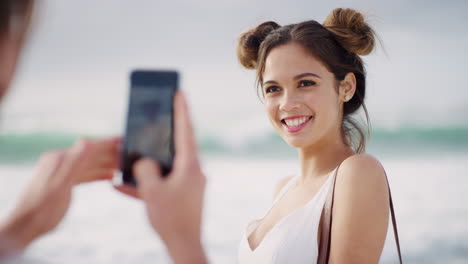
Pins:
<point x="293" y="128"/>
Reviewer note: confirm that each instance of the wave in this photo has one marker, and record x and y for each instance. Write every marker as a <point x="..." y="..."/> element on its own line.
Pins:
<point x="26" y="147"/>
<point x="19" y="148"/>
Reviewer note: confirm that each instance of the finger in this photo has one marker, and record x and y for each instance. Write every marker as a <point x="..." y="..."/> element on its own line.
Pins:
<point x="70" y="169"/>
<point x="88" y="160"/>
<point x="113" y="142"/>
<point x="185" y="145"/>
<point x="148" y="175"/>
<point x="105" y="160"/>
<point x="50" y="161"/>
<point x="102" y="154"/>
<point x="99" y="174"/>
<point x="128" y="190"/>
<point x="108" y="163"/>
<point x="107" y="145"/>
<point x="111" y="150"/>
<point x="91" y="169"/>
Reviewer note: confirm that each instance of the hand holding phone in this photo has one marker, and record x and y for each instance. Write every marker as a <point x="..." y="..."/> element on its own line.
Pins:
<point x="175" y="204"/>
<point x="149" y="129"/>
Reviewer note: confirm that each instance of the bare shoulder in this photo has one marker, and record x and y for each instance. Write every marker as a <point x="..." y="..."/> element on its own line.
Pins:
<point x="279" y="186"/>
<point x="362" y="169"/>
<point x="361" y="209"/>
<point x="361" y="177"/>
<point x="361" y="184"/>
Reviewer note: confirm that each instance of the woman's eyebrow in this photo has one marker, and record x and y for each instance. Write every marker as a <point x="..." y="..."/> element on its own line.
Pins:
<point x="299" y="76"/>
<point x="269" y="81"/>
<point x="302" y="75"/>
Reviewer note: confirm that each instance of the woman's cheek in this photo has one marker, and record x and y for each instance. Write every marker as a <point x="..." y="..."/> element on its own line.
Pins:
<point x="269" y="108"/>
<point x="272" y="114"/>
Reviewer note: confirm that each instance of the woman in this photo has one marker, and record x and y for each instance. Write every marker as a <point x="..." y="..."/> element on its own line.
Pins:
<point x="313" y="79"/>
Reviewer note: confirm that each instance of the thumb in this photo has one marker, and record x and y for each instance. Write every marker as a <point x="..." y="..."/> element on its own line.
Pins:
<point x="148" y="175"/>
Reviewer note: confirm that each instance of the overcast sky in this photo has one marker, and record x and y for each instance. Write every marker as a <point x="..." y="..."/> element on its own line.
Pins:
<point x="74" y="73"/>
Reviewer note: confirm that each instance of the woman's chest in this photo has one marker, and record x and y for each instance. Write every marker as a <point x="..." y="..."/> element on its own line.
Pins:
<point x="287" y="207"/>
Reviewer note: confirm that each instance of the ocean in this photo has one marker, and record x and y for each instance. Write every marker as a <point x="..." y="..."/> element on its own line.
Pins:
<point x="427" y="170"/>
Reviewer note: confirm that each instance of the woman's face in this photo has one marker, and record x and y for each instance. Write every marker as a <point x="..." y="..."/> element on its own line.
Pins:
<point x="301" y="99"/>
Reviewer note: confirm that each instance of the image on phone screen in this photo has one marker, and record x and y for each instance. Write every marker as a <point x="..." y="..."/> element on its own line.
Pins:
<point x="149" y="129"/>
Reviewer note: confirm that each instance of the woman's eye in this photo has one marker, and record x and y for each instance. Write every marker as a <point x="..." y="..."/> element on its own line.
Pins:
<point x="307" y="83"/>
<point x="272" y="89"/>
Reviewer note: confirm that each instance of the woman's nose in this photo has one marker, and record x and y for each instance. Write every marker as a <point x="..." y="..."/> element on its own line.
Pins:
<point x="290" y="101"/>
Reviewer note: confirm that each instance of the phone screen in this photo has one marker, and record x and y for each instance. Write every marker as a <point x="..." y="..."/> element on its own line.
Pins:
<point x="149" y="130"/>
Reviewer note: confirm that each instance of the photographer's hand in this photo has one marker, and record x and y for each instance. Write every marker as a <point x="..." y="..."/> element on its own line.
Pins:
<point x="47" y="197"/>
<point x="174" y="204"/>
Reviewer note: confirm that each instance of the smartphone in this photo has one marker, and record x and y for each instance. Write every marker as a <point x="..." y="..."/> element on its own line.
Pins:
<point x="150" y="121"/>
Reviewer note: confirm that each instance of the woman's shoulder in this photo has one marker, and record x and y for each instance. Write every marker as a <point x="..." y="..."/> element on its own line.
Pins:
<point x="360" y="208"/>
<point x="362" y="166"/>
<point x="361" y="176"/>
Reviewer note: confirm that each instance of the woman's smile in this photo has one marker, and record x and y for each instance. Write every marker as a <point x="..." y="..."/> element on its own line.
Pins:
<point x="295" y="124"/>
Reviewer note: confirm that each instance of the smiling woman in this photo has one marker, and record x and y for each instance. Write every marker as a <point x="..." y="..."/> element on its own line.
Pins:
<point x="337" y="45"/>
<point x="313" y="79"/>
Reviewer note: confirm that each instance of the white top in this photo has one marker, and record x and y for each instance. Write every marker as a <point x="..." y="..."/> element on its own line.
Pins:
<point x="294" y="238"/>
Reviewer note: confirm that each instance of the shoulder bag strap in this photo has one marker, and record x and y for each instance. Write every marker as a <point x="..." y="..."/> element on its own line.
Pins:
<point x="326" y="222"/>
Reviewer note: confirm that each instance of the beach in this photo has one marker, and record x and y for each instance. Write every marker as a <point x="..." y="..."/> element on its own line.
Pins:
<point x="73" y="81"/>
<point x="104" y="226"/>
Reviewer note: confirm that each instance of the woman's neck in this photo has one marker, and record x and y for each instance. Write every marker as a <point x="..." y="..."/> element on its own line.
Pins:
<point x="318" y="160"/>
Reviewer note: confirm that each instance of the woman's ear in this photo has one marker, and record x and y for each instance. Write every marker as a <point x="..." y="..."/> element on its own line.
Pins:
<point x="347" y="87"/>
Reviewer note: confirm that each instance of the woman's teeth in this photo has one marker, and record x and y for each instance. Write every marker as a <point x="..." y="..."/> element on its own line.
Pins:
<point x="296" y="121"/>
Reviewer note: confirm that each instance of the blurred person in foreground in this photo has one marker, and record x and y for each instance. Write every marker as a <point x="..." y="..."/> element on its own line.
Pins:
<point x="47" y="197"/>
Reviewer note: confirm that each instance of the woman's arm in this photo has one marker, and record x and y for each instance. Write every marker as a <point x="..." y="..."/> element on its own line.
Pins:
<point x="360" y="212"/>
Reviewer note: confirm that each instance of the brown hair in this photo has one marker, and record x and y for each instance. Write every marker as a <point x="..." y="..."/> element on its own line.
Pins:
<point x="337" y="43"/>
<point x="10" y="9"/>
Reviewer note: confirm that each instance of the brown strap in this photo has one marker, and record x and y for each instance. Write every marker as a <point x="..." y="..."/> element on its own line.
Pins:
<point x="326" y="222"/>
<point x="395" y="229"/>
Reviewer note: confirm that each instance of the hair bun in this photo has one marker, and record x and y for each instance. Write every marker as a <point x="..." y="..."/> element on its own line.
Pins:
<point x="351" y="30"/>
<point x="250" y="41"/>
